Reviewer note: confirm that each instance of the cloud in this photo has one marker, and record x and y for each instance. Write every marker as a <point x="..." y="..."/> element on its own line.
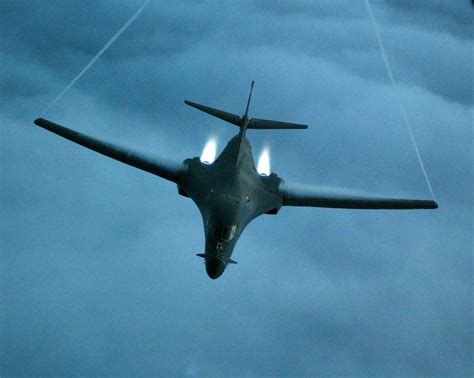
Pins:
<point x="98" y="271"/>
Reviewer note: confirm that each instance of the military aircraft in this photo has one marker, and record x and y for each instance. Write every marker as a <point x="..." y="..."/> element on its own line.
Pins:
<point x="229" y="192"/>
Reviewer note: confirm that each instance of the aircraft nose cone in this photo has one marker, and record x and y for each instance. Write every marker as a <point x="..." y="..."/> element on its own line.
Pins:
<point x="214" y="268"/>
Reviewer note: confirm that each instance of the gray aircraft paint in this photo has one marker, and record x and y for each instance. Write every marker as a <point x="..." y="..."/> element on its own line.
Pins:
<point x="228" y="196"/>
<point x="229" y="192"/>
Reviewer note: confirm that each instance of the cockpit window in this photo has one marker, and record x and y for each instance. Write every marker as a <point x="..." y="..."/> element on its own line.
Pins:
<point x="227" y="233"/>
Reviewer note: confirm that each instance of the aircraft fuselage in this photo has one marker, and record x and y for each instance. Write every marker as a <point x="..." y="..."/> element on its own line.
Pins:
<point x="229" y="194"/>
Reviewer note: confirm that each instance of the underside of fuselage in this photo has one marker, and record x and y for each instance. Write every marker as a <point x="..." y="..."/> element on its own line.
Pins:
<point x="229" y="194"/>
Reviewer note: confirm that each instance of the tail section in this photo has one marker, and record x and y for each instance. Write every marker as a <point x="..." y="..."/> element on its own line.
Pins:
<point x="248" y="101"/>
<point x="265" y="124"/>
<point x="244" y="122"/>
<point x="225" y="116"/>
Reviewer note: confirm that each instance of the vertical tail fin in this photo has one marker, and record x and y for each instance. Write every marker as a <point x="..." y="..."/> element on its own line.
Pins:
<point x="248" y="102"/>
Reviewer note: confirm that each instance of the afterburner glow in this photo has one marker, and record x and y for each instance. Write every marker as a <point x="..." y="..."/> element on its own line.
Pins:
<point x="263" y="166"/>
<point x="209" y="153"/>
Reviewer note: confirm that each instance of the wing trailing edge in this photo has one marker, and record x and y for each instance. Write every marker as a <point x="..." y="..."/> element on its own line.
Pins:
<point x="299" y="195"/>
<point x="166" y="169"/>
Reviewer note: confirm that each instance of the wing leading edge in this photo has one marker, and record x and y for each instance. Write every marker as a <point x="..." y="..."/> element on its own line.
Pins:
<point x="298" y="195"/>
<point x="166" y="169"/>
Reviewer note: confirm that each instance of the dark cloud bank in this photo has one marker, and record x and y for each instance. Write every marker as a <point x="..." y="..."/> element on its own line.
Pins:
<point x="98" y="269"/>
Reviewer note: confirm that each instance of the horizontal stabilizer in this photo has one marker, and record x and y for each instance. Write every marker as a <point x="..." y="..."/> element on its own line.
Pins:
<point x="261" y="124"/>
<point x="225" y="116"/>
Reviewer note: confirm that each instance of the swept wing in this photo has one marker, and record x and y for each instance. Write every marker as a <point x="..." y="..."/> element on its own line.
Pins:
<point x="300" y="195"/>
<point x="166" y="169"/>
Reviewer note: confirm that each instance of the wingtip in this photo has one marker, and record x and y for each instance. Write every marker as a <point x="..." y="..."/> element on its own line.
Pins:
<point x="430" y="204"/>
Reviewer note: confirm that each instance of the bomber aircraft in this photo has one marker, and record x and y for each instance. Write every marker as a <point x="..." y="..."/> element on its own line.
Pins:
<point x="229" y="192"/>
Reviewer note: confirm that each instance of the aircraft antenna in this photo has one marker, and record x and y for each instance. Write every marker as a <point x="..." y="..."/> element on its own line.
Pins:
<point x="250" y="96"/>
<point x="394" y="85"/>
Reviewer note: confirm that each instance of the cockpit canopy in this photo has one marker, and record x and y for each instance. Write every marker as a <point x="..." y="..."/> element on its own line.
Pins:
<point x="225" y="233"/>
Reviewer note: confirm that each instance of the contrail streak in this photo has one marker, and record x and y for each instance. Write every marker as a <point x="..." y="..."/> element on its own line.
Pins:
<point x="394" y="84"/>
<point x="98" y="55"/>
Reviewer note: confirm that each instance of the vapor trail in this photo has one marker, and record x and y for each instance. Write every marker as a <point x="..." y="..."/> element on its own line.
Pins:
<point x="394" y="84"/>
<point x="98" y="55"/>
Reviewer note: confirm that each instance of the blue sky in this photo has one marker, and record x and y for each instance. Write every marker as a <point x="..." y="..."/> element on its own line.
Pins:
<point x="98" y="265"/>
